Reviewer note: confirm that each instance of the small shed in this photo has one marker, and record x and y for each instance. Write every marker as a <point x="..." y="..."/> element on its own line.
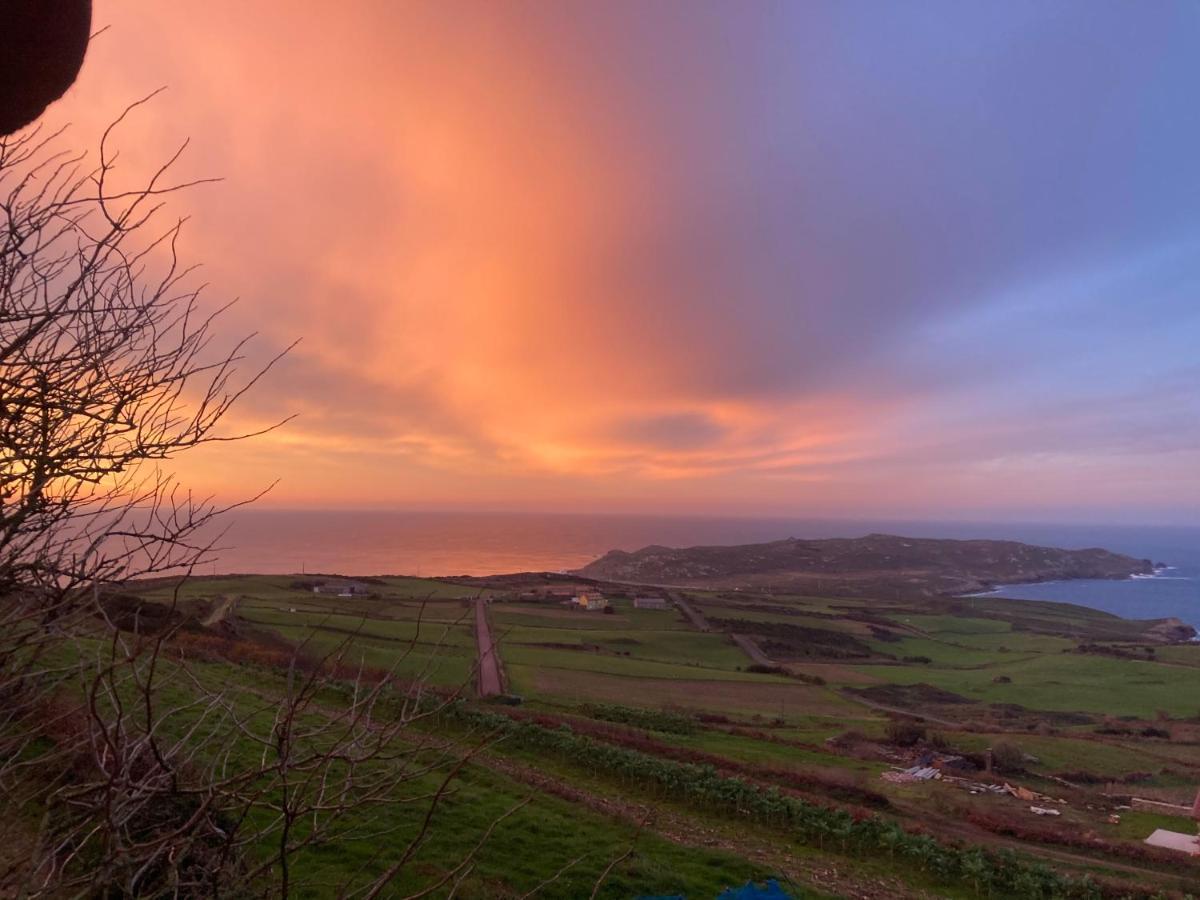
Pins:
<point x="1175" y="840"/>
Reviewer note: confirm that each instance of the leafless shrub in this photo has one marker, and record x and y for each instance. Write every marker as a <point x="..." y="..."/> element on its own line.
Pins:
<point x="126" y="766"/>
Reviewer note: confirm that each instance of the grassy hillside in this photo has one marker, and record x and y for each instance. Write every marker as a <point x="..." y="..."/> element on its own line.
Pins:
<point x="1075" y="705"/>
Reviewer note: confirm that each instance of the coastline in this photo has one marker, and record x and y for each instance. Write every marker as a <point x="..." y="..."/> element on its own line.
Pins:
<point x="1143" y="598"/>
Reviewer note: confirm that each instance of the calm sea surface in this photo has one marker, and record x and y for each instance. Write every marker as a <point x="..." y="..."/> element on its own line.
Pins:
<point x="431" y="543"/>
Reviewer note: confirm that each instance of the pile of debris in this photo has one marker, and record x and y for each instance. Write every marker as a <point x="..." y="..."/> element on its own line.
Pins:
<point x="908" y="776"/>
<point x="1029" y="796"/>
<point x="929" y="767"/>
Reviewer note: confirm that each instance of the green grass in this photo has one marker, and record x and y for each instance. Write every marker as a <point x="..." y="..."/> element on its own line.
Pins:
<point x="1065" y="682"/>
<point x="1180" y="654"/>
<point x="430" y="630"/>
<point x="1012" y="642"/>
<point x="953" y="625"/>
<point x="631" y="666"/>
<point x="274" y="587"/>
<point x="687" y="648"/>
<point x="1137" y="825"/>
<point x="767" y="753"/>
<point x="755" y="697"/>
<point x="525" y="850"/>
<point x="783" y="618"/>
<point x="445" y="666"/>
<point x="670" y="665"/>
<point x="1047" y="616"/>
<point x="942" y="653"/>
<point x="528" y="848"/>
<point x="562" y="617"/>
<point x="1065" y="754"/>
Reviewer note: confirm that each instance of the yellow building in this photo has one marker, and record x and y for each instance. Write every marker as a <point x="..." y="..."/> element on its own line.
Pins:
<point x="590" y="600"/>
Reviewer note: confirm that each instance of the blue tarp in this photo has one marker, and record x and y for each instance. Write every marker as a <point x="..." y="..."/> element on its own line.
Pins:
<point x="750" y="891"/>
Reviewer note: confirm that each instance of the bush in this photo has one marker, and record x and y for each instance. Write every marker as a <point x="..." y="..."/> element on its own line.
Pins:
<point x="766" y="670"/>
<point x="939" y="741"/>
<point x="904" y="732"/>
<point x="1008" y="756"/>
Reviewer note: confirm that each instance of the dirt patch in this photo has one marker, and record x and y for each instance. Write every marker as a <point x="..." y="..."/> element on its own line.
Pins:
<point x="558" y="645"/>
<point x="911" y="696"/>
<point x="789" y="641"/>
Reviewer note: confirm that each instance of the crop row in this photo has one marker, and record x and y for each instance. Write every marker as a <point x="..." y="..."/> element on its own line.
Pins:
<point x="988" y="873"/>
<point x="650" y="719"/>
<point x="833" y="785"/>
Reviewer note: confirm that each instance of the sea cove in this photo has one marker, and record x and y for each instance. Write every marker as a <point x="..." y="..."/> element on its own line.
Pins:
<point x="1175" y="592"/>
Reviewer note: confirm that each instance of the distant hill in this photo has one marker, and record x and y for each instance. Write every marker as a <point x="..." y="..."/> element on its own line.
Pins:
<point x="865" y="566"/>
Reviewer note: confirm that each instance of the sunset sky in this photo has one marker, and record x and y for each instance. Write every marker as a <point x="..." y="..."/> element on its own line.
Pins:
<point x="844" y="258"/>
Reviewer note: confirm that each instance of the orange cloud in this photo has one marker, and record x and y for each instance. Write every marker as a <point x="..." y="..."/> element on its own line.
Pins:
<point x="506" y="294"/>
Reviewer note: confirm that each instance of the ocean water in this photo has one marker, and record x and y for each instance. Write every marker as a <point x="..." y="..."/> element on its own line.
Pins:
<point x="1174" y="591"/>
<point x="454" y="543"/>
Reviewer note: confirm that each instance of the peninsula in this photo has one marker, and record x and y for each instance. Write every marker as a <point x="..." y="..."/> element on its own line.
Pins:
<point x="874" y="565"/>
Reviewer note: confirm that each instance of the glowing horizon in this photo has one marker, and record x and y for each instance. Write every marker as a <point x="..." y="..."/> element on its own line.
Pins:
<point x="831" y="259"/>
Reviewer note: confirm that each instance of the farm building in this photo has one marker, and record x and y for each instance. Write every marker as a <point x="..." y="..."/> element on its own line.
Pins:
<point x="590" y="600"/>
<point x="1174" y="840"/>
<point x="343" y="588"/>
<point x="649" y="603"/>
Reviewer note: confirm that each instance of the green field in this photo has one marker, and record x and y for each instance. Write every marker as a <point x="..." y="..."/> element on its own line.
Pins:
<point x="1131" y="721"/>
<point x="1065" y="683"/>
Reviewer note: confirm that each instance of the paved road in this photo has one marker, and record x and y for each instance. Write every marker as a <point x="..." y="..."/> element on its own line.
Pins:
<point x="222" y="609"/>
<point x="489" y="667"/>
<point x="692" y="613"/>
<point x="752" y="650"/>
<point x="697" y="619"/>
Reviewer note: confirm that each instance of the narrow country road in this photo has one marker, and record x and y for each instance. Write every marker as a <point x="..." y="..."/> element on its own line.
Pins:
<point x="700" y="623"/>
<point x="752" y="649"/>
<point x="489" y="683"/>
<point x="693" y="614"/>
<point x="220" y="610"/>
